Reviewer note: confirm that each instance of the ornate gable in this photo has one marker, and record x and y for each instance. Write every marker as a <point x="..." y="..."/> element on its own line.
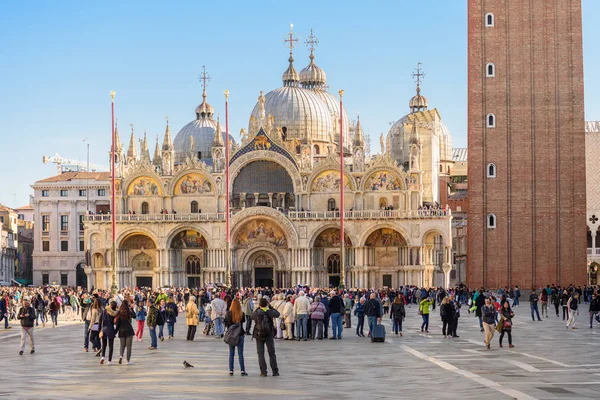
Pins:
<point x="262" y="141"/>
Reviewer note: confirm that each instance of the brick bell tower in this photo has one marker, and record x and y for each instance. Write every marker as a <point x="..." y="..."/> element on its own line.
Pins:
<point x="526" y="144"/>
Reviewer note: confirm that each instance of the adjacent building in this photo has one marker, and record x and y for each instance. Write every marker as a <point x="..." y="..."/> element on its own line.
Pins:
<point x="8" y="244"/>
<point x="61" y="203"/>
<point x="592" y="171"/>
<point x="526" y="143"/>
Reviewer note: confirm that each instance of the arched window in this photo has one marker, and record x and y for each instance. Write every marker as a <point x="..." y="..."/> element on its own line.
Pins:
<point x="333" y="264"/>
<point x="316" y="148"/>
<point x="490" y="70"/>
<point x="491" y="170"/>
<point x="331" y="205"/>
<point x="491" y="221"/>
<point x="194" y="207"/>
<point x="489" y="20"/>
<point x="490" y="121"/>
<point x="192" y="265"/>
<point x="199" y="155"/>
<point x="144" y="208"/>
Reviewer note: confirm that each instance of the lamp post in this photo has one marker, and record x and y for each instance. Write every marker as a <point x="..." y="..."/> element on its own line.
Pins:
<point x="114" y="288"/>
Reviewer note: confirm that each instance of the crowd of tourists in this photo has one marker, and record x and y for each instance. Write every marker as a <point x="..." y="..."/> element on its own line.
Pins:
<point x="300" y="313"/>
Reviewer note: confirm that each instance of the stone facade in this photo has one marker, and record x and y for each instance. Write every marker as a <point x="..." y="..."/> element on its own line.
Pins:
<point x="8" y="244"/>
<point x="171" y="228"/>
<point x="60" y="203"/>
<point x="526" y="116"/>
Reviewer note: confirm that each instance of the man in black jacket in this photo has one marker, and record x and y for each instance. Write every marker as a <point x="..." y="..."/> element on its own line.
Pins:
<point x="373" y="312"/>
<point x="27" y="318"/>
<point x="263" y="334"/>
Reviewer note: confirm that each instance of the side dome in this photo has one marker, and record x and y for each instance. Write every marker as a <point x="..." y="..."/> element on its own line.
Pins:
<point x="203" y="131"/>
<point x="295" y="111"/>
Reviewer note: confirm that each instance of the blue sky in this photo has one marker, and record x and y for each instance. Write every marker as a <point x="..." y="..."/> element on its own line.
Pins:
<point x="59" y="60"/>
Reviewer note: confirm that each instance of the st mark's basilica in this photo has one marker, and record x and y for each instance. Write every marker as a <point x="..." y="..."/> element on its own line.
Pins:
<point x="284" y="186"/>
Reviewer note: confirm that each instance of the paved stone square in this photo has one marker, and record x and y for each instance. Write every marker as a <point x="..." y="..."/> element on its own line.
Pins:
<point x="548" y="362"/>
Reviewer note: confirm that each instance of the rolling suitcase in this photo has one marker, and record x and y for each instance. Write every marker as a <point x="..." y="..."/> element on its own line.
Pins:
<point x="378" y="334"/>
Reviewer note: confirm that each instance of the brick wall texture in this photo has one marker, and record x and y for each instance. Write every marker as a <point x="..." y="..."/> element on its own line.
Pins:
<point x="538" y="144"/>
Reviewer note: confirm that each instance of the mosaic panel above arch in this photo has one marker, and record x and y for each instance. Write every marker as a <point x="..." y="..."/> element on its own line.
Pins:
<point x="193" y="183"/>
<point x="385" y="237"/>
<point x="260" y="231"/>
<point x="384" y="180"/>
<point x="330" y="237"/>
<point x="144" y="186"/>
<point x="189" y="239"/>
<point x="329" y="181"/>
<point x="138" y="241"/>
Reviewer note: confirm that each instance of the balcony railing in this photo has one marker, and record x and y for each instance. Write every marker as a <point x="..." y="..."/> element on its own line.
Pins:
<point x="294" y="215"/>
<point x="369" y="214"/>
<point x="157" y="217"/>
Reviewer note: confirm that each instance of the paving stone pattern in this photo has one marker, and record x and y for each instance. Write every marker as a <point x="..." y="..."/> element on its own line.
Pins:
<point x="548" y="362"/>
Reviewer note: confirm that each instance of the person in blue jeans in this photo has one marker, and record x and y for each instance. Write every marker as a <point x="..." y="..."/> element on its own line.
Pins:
<point x="359" y="311"/>
<point x="162" y="309"/>
<point x="533" y="303"/>
<point x="151" y="321"/>
<point x="235" y="316"/>
<point x="172" y="312"/>
<point x="336" y="308"/>
<point x="373" y="313"/>
<point x="517" y="295"/>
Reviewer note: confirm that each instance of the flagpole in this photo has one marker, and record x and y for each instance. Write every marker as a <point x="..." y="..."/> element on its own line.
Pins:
<point x="114" y="288"/>
<point x="342" y="210"/>
<point x="227" y="221"/>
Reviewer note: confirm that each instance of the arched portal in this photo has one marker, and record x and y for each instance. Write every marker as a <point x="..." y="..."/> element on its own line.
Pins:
<point x="80" y="276"/>
<point x="139" y="253"/>
<point x="263" y="267"/>
<point x="193" y="266"/>
<point x="334" y="270"/>
<point x="262" y="183"/>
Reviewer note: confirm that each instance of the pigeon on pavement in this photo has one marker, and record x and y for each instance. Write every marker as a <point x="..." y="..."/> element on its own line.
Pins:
<point x="187" y="364"/>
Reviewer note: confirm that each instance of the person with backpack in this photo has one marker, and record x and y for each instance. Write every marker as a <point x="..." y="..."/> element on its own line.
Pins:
<point x="397" y="314"/>
<point x="171" y="312"/>
<point x="424" y="311"/>
<point x="40" y="306"/>
<point x="107" y="330"/>
<point x="263" y="334"/>
<point x="235" y="335"/>
<point x="152" y="321"/>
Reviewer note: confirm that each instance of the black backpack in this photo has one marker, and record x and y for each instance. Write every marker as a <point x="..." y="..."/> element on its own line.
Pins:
<point x="263" y="326"/>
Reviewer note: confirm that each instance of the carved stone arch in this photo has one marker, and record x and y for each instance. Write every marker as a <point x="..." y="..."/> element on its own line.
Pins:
<point x="175" y="231"/>
<point x="330" y="166"/>
<point x="188" y="169"/>
<point x="265" y="155"/>
<point x="247" y="254"/>
<point x="247" y="214"/>
<point x="401" y="175"/>
<point x="138" y="230"/>
<point x="397" y="228"/>
<point x="138" y="171"/>
<point x="444" y="235"/>
<point x="95" y="239"/>
<point x="324" y="227"/>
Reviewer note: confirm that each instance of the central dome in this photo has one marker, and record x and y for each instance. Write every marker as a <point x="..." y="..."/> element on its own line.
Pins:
<point x="298" y="110"/>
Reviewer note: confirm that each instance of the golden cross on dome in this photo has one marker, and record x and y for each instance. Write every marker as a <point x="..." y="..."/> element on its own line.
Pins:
<point x="203" y="77"/>
<point x="291" y="39"/>
<point x="418" y="74"/>
<point x="311" y="41"/>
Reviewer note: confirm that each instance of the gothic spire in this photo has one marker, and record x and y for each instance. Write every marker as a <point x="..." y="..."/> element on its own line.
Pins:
<point x="156" y="159"/>
<point x="132" y="150"/>
<point x="359" y="140"/>
<point x="218" y="140"/>
<point x="167" y="141"/>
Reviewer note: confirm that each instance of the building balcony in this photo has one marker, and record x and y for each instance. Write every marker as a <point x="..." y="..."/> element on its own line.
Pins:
<point x="293" y="215"/>
<point x="136" y="218"/>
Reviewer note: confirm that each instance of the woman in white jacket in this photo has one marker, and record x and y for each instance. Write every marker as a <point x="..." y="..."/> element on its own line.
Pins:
<point x="288" y="318"/>
<point x="279" y="305"/>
